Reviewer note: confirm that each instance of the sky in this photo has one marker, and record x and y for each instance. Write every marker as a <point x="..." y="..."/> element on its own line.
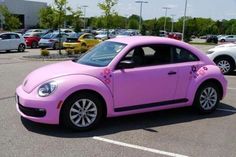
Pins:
<point x="215" y="9"/>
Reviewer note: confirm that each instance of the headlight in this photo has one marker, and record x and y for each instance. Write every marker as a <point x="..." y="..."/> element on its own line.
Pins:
<point x="209" y="52"/>
<point x="47" y="89"/>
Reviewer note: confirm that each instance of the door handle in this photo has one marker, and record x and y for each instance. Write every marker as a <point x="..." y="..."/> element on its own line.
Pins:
<point x="172" y="73"/>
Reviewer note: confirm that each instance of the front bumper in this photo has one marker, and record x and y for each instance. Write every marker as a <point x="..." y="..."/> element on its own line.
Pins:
<point x="37" y="109"/>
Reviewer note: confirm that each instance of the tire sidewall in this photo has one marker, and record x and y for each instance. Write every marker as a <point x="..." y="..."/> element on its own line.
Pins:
<point x="66" y="112"/>
<point x="230" y="63"/>
<point x="197" y="104"/>
<point x="21" y="48"/>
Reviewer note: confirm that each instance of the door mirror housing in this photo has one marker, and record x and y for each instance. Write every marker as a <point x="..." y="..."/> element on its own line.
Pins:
<point x="126" y="64"/>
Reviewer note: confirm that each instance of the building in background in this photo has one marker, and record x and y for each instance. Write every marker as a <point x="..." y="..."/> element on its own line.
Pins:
<point x="27" y="11"/>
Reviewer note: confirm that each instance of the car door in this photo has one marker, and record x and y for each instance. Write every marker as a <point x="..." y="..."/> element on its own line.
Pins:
<point x="230" y="38"/>
<point x="90" y="40"/>
<point x="151" y="82"/>
<point x="6" y="42"/>
<point x="186" y="63"/>
<point x="14" y="41"/>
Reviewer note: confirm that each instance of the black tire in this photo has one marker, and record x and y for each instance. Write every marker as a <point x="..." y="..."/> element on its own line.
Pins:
<point x="21" y="48"/>
<point x="83" y="45"/>
<point x="56" y="46"/>
<point x="69" y="116"/>
<point x="229" y="64"/>
<point x="34" y="45"/>
<point x="222" y="40"/>
<point x="201" y="95"/>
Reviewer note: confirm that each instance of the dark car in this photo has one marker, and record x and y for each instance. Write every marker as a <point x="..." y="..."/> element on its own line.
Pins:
<point x="212" y="39"/>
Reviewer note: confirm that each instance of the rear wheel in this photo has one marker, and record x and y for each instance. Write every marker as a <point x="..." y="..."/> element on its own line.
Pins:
<point x="225" y="64"/>
<point x="82" y="112"/>
<point x="21" y="48"/>
<point x="207" y="98"/>
<point x="34" y="45"/>
<point x="56" y="46"/>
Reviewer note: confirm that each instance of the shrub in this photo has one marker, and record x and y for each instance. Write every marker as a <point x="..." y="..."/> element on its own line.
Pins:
<point x="76" y="51"/>
<point x="69" y="51"/>
<point x="83" y="50"/>
<point x="45" y="52"/>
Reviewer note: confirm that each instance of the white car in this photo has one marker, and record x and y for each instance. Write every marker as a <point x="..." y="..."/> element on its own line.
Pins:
<point x="103" y="35"/>
<point x="224" y="56"/>
<point x="227" y="38"/>
<point x="12" y="41"/>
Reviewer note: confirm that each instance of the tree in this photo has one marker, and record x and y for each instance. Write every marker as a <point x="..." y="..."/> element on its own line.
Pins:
<point x="11" y="22"/>
<point x="47" y="18"/>
<point x="106" y="7"/>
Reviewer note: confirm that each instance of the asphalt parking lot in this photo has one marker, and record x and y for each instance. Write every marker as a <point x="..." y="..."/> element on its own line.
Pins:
<point x="178" y="132"/>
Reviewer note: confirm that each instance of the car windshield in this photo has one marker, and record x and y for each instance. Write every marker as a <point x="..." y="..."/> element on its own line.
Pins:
<point x="75" y="35"/>
<point x="49" y="36"/>
<point x="102" y="54"/>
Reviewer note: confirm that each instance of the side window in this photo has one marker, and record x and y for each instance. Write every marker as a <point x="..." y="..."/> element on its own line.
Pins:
<point x="149" y="55"/>
<point x="5" y="36"/>
<point x="182" y="55"/>
<point x="14" y="36"/>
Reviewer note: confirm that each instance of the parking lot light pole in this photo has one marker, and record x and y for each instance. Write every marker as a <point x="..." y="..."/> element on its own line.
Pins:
<point x="140" y="13"/>
<point x="184" y="20"/>
<point x="172" y="26"/>
<point x="166" y="9"/>
<point x="84" y="6"/>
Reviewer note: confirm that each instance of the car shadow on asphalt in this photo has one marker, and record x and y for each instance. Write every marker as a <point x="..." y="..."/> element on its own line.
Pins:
<point x="13" y="52"/>
<point x="144" y="121"/>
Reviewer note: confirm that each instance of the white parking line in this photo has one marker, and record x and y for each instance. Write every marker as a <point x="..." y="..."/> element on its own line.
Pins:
<point x="232" y="88"/>
<point x="227" y="110"/>
<point x="138" y="147"/>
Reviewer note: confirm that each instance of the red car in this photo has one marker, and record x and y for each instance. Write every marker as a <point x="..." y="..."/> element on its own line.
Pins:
<point x="175" y="35"/>
<point x="32" y="39"/>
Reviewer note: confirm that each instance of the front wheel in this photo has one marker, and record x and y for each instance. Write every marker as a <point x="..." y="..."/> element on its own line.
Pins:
<point x="21" y="48"/>
<point x="82" y="112"/>
<point x="207" y="98"/>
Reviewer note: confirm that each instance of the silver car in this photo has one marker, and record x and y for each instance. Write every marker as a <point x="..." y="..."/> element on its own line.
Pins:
<point x="53" y="40"/>
<point x="227" y="38"/>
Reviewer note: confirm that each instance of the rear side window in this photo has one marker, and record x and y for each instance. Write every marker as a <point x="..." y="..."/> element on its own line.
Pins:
<point x="150" y="55"/>
<point x="14" y="36"/>
<point x="5" y="36"/>
<point x="182" y="55"/>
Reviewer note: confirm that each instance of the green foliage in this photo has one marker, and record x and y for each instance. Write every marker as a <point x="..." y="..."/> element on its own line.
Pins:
<point x="45" y="52"/>
<point x="133" y="24"/>
<point x="46" y="18"/>
<point x="106" y="7"/>
<point x="11" y="22"/>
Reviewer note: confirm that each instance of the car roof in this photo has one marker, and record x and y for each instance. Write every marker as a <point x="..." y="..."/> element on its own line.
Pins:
<point x="142" y="40"/>
<point x="148" y="40"/>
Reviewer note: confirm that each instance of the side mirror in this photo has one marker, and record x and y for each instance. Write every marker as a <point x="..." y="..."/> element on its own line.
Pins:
<point x="126" y="64"/>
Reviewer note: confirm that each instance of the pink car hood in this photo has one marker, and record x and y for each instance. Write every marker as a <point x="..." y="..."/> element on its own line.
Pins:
<point x="46" y="73"/>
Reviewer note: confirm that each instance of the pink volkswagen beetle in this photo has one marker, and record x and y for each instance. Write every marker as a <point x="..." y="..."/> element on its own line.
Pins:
<point x="119" y="77"/>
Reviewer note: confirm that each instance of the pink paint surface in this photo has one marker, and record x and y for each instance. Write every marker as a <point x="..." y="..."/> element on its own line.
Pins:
<point x="120" y="88"/>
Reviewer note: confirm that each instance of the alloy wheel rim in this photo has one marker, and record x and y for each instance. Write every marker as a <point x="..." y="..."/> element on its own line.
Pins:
<point x="224" y="66"/>
<point x="208" y="98"/>
<point x="21" y="48"/>
<point x="83" y="112"/>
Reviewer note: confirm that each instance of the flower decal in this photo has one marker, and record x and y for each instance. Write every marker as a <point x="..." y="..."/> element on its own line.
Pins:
<point x="107" y="75"/>
<point x="198" y="72"/>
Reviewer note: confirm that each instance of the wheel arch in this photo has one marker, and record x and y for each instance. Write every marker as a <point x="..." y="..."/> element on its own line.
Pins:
<point x="225" y="56"/>
<point x="214" y="81"/>
<point x="87" y="91"/>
